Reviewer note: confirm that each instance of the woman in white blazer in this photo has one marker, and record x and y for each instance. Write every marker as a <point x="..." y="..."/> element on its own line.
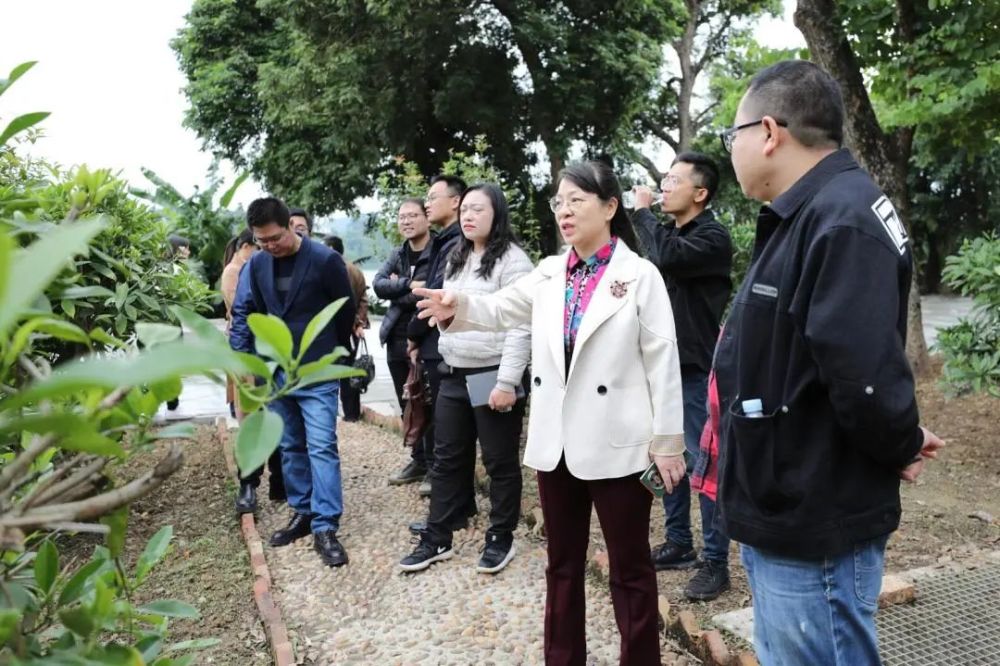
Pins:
<point x="606" y="400"/>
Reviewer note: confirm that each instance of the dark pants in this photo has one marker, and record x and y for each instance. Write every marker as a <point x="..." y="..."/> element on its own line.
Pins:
<point x="277" y="480"/>
<point x="350" y="398"/>
<point x="677" y="505"/>
<point x="623" y="507"/>
<point x="424" y="450"/>
<point x="453" y="477"/>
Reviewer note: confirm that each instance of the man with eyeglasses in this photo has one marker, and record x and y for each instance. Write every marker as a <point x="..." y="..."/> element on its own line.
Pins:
<point x="441" y="206"/>
<point x="819" y="420"/>
<point x="694" y="253"/>
<point x="294" y="278"/>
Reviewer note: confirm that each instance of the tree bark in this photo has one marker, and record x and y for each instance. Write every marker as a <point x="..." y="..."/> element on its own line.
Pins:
<point x="886" y="157"/>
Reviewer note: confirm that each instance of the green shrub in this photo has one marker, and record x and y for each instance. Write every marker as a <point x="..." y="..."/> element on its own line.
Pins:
<point x="64" y="428"/>
<point x="971" y="348"/>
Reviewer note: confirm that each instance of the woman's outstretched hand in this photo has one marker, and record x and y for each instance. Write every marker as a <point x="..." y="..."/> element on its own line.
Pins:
<point x="439" y="305"/>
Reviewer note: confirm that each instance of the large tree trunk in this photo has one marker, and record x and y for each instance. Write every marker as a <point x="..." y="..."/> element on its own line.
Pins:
<point x="685" y="49"/>
<point x="885" y="157"/>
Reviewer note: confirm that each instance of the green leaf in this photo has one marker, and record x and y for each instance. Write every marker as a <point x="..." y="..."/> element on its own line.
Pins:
<point x="202" y="328"/>
<point x="227" y="196"/>
<point x="105" y="338"/>
<point x="15" y="74"/>
<point x="48" y="325"/>
<point x="257" y="439"/>
<point x="22" y="123"/>
<point x="155" y="550"/>
<point x="39" y="264"/>
<point x="118" y="522"/>
<point x="80" y="582"/>
<point x="308" y="368"/>
<point x="151" y="335"/>
<point x="329" y="374"/>
<point x="150" y="647"/>
<point x="317" y="324"/>
<point x="9" y="619"/>
<point x="150" y="366"/>
<point x="46" y="566"/>
<point x="171" y="608"/>
<point x="6" y="261"/>
<point x="176" y="431"/>
<point x="90" y="291"/>
<point x="272" y="337"/>
<point x="78" y="620"/>
<point x="254" y="364"/>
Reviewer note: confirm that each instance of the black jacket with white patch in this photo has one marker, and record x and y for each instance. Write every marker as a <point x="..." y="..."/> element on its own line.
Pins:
<point x="817" y="333"/>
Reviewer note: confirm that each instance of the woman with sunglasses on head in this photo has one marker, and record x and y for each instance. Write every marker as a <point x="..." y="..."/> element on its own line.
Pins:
<point x="481" y="394"/>
<point x="607" y="400"/>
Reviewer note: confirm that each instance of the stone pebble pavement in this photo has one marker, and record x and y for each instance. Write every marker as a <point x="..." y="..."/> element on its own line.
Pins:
<point x="370" y="613"/>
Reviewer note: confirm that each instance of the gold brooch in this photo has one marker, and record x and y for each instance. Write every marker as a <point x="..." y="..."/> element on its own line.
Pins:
<point x="619" y="289"/>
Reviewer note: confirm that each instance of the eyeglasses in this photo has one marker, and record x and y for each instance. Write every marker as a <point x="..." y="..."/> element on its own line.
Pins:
<point x="727" y="135"/>
<point x="434" y="197"/>
<point x="269" y="239"/>
<point x="573" y="203"/>
<point x="403" y="217"/>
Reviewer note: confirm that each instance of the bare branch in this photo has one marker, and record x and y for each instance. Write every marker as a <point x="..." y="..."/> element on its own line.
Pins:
<point x="99" y="505"/>
<point x="44" y="496"/>
<point x="658" y="132"/>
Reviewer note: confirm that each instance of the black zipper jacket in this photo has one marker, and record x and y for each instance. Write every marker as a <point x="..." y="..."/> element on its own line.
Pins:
<point x="695" y="261"/>
<point x="419" y="330"/>
<point x="396" y="290"/>
<point x="817" y="332"/>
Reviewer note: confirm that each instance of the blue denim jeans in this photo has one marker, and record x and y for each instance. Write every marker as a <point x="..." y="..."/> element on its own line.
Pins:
<point x="309" y="455"/>
<point x="817" y="612"/>
<point x="677" y="505"/>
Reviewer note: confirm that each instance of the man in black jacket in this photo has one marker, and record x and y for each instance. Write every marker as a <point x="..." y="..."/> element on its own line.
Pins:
<point x="441" y="206"/>
<point x="819" y="418"/>
<point x="695" y="255"/>
<point x="406" y="266"/>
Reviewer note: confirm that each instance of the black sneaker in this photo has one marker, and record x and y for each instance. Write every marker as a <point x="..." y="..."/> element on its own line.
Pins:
<point x="669" y="555"/>
<point x="413" y="472"/>
<point x="497" y="554"/>
<point x="710" y="581"/>
<point x="425" y="555"/>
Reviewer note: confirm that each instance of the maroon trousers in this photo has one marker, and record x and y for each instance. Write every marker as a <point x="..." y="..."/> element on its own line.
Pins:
<point x="623" y="507"/>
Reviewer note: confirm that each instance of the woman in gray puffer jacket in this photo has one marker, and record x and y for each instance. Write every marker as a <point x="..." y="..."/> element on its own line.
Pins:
<point x="485" y="260"/>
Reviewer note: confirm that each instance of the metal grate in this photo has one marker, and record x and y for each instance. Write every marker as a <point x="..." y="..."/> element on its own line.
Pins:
<point x="954" y="622"/>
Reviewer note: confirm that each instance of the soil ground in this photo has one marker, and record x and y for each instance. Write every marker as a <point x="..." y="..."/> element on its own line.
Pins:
<point x="208" y="566"/>
<point x="949" y="515"/>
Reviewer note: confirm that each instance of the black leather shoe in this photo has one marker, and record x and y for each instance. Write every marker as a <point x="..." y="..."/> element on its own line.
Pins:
<point x="711" y="581"/>
<point x="298" y="527"/>
<point x="329" y="548"/>
<point x="246" y="499"/>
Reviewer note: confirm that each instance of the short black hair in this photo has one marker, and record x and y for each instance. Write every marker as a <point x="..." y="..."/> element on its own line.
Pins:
<point x="456" y="186"/>
<point x="805" y="96"/>
<point x="705" y="170"/>
<point x="262" y="212"/>
<point x="301" y="212"/>
<point x="335" y="243"/>
<point x="178" y="241"/>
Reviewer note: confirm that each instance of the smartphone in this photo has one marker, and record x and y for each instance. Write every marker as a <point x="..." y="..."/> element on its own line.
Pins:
<point x="653" y="481"/>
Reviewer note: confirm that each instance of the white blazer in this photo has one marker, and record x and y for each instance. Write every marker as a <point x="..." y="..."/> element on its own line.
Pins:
<point x="621" y="398"/>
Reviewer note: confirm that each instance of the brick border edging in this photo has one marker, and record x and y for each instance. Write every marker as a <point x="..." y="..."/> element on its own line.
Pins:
<point x="270" y="615"/>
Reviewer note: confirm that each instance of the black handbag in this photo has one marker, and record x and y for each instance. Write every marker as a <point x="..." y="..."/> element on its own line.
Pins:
<point x="363" y="361"/>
